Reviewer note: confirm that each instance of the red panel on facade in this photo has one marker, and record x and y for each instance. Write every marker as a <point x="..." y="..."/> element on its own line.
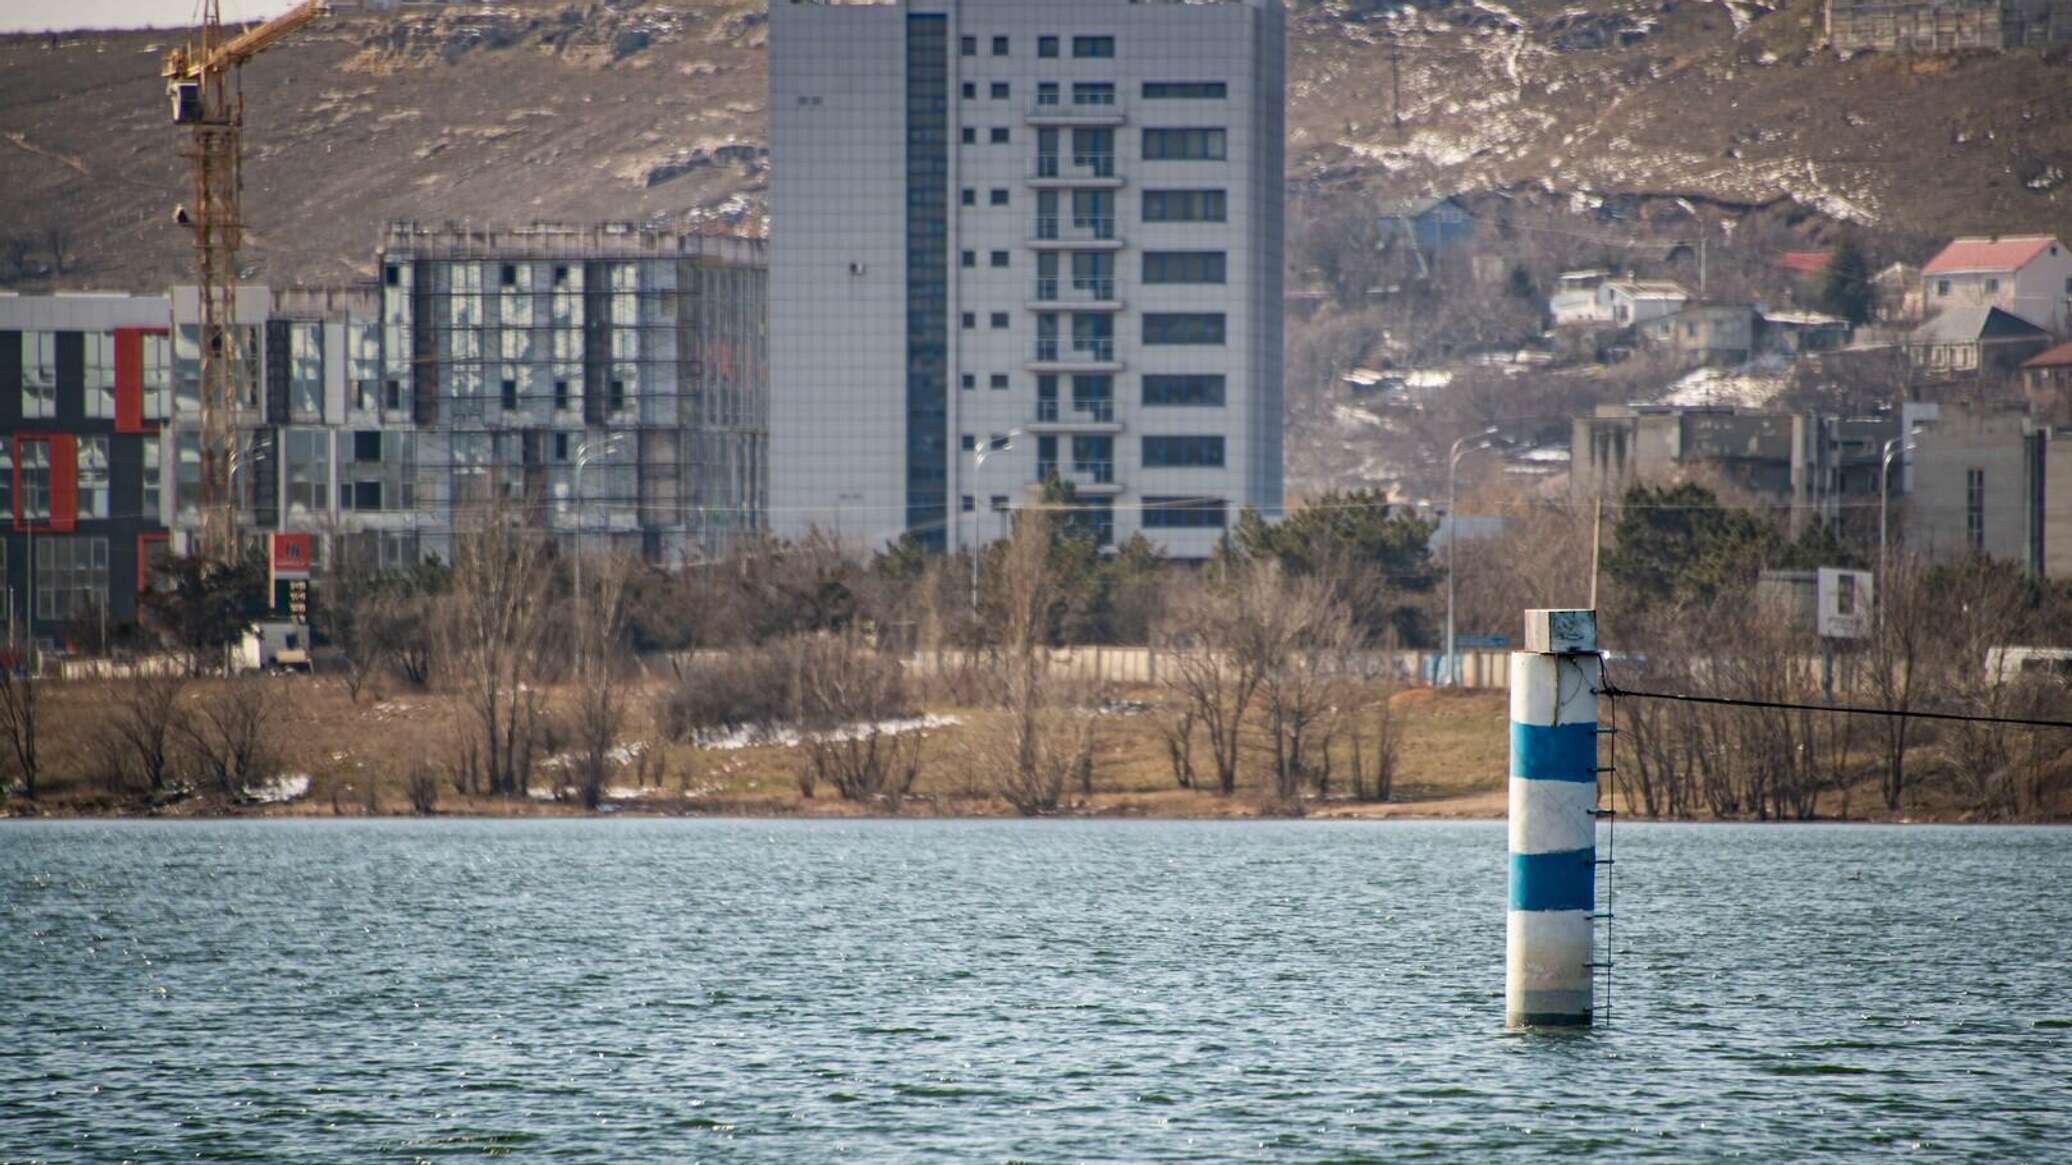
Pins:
<point x="64" y="481"/>
<point x="129" y="380"/>
<point x="144" y="544"/>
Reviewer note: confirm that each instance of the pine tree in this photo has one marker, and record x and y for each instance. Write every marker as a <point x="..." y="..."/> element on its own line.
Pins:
<point x="1845" y="283"/>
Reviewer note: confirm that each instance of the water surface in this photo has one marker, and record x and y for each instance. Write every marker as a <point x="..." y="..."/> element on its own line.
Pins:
<point x="696" y="990"/>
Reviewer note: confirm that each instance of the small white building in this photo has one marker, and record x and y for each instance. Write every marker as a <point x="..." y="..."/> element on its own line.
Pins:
<point x="1575" y="302"/>
<point x="1634" y="301"/>
<point x="2024" y="275"/>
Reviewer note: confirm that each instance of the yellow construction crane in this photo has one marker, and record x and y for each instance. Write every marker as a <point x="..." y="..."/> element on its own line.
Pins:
<point x="202" y="80"/>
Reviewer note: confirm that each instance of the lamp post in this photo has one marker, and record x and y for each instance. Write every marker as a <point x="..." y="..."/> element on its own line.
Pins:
<point x="980" y="451"/>
<point x="584" y="453"/>
<point x="1895" y="445"/>
<point x="1453" y="456"/>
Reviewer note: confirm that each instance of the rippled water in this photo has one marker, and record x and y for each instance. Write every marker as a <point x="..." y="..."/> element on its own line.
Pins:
<point x="992" y="991"/>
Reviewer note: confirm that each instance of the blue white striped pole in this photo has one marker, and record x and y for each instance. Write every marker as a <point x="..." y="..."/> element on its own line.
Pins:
<point x="1553" y="820"/>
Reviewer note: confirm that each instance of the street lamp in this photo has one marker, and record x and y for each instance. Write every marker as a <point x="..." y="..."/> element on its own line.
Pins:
<point x="979" y="452"/>
<point x="584" y="454"/>
<point x="1460" y="447"/>
<point x="1895" y="445"/>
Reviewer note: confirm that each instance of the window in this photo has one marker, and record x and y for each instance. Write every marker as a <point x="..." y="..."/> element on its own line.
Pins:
<point x="968" y="380"/>
<point x="508" y="395"/>
<point x="1184" y="90"/>
<point x="1184" y="206"/>
<point x="1093" y="93"/>
<point x="1992" y="285"/>
<point x="33" y="474"/>
<point x="998" y="197"/>
<point x="1183" y="266"/>
<point x="71" y="577"/>
<point x="999" y="137"/>
<point x="968" y="320"/>
<point x="561" y="396"/>
<point x="306" y="370"/>
<point x="998" y="258"/>
<point x="1183" y="145"/>
<point x="998" y="502"/>
<point x="1183" y="328"/>
<point x="100" y="375"/>
<point x="6" y="487"/>
<point x="999" y="90"/>
<point x="967" y="46"/>
<point x="91" y="478"/>
<point x="970" y="136"/>
<point x="999" y="46"/>
<point x="1047" y="93"/>
<point x="1047" y="47"/>
<point x="999" y="319"/>
<point x="39" y="374"/>
<point x="1942" y="288"/>
<point x="968" y="259"/>
<point x="1975" y="510"/>
<point x="156" y="376"/>
<point x="969" y="197"/>
<point x="969" y="90"/>
<point x="1182" y="452"/>
<point x="150" y="490"/>
<point x="1183" y="390"/>
<point x="997" y="381"/>
<point x="1182" y="513"/>
<point x="309" y="470"/>
<point x="367" y="445"/>
<point x="968" y="442"/>
<point x="1093" y="46"/>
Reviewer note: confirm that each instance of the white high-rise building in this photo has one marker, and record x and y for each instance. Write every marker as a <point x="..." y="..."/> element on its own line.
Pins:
<point x="1048" y="231"/>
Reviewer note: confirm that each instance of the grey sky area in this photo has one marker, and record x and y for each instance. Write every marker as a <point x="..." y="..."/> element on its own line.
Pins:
<point x="48" y="15"/>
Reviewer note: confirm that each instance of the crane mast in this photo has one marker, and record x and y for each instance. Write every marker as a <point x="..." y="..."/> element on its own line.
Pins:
<point x="202" y="81"/>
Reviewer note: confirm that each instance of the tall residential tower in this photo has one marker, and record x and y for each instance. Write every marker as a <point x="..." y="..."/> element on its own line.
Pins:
<point x="1049" y="231"/>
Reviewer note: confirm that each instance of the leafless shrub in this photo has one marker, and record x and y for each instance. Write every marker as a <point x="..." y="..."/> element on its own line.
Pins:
<point x="143" y="712"/>
<point x="601" y="665"/>
<point x="497" y="641"/>
<point x="228" y="737"/>
<point x="725" y="691"/>
<point x="422" y="787"/>
<point x="846" y="692"/>
<point x="19" y="697"/>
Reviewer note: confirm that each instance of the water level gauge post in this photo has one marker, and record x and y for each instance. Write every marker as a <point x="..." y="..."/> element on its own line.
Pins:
<point x="1548" y="970"/>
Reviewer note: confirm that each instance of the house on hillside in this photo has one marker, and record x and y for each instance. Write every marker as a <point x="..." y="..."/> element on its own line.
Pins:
<point x="1430" y="224"/>
<point x="2047" y="381"/>
<point x="1636" y="301"/>
<point x="1803" y="264"/>
<point x="2026" y="275"/>
<point x="1704" y="333"/>
<point x="1575" y="297"/>
<point x="1898" y="292"/>
<point x="1964" y="342"/>
<point x="1795" y="332"/>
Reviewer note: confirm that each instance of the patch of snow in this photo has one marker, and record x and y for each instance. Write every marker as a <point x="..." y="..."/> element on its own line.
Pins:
<point x="1348" y="415"/>
<point x="782" y="736"/>
<point x="280" y="790"/>
<point x="1721" y="386"/>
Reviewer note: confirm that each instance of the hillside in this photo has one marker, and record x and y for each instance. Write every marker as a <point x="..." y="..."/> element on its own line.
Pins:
<point x="651" y="112"/>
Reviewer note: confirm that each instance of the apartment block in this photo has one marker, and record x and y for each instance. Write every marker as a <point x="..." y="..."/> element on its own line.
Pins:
<point x="1991" y="480"/>
<point x="607" y="384"/>
<point x="1015" y="241"/>
<point x="84" y="390"/>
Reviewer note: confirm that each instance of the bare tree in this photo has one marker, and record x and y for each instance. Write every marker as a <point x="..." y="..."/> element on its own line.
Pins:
<point x="1202" y="666"/>
<point x="19" y="696"/>
<point x="228" y="736"/>
<point x="496" y="638"/>
<point x="846" y="693"/>
<point x="1299" y="636"/>
<point x="1897" y="659"/>
<point x="144" y="711"/>
<point x="600" y="673"/>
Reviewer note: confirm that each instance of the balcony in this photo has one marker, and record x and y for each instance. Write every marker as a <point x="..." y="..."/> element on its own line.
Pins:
<point x="1054" y="355"/>
<point x="1085" y="171"/>
<point x="1080" y="233"/>
<point x="1092" y="478"/>
<point x="1075" y="109"/>
<point x="1079" y="294"/>
<point x="1082" y="416"/>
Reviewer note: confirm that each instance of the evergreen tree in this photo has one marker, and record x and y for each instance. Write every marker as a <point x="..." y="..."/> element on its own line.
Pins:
<point x="1845" y="283"/>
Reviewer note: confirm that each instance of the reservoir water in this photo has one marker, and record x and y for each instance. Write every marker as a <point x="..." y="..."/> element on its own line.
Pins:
<point x="1052" y="991"/>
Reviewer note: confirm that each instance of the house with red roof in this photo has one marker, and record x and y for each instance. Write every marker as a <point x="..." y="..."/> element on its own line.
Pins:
<point x="2024" y="275"/>
<point x="2047" y="378"/>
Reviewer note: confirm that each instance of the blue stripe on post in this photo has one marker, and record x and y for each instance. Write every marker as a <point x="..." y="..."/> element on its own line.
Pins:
<point x="1556" y="881"/>
<point x="1558" y="752"/>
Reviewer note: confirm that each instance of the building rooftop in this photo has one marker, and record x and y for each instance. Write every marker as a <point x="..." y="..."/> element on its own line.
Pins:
<point x="1650" y="288"/>
<point x="1802" y="262"/>
<point x="1963" y="325"/>
<point x="1988" y="254"/>
<point x="2058" y="357"/>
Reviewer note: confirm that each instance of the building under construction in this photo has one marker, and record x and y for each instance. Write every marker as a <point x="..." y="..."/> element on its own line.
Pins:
<point x="606" y="383"/>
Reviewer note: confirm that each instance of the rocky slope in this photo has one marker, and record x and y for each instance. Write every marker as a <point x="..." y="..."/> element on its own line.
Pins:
<point x="655" y="112"/>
